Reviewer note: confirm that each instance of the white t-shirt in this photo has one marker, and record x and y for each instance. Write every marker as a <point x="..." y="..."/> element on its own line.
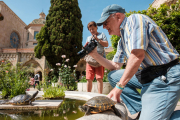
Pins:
<point x="38" y="77"/>
<point x="100" y="36"/>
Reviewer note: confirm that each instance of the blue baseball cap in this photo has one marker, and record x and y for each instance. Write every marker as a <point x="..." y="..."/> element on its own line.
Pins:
<point x="114" y="8"/>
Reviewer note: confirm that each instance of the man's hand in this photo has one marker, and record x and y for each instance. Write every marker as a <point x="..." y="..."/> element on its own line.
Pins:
<point x="93" y="51"/>
<point x="95" y="37"/>
<point x="115" y="93"/>
<point x="86" y="44"/>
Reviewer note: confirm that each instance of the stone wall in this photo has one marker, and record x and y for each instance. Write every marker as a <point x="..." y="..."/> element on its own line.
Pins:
<point x="30" y="43"/>
<point x="25" y="56"/>
<point x="24" y="53"/>
<point x="82" y="87"/>
<point x="157" y="3"/>
<point x="11" y="23"/>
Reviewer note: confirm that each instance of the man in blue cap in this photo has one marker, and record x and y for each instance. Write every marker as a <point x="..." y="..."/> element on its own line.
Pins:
<point x="150" y="59"/>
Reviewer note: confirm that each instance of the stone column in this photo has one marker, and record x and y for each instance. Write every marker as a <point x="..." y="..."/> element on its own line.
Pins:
<point x="18" y="56"/>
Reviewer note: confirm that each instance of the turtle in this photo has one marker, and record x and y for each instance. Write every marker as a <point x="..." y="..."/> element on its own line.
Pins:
<point x="24" y="99"/>
<point x="99" y="104"/>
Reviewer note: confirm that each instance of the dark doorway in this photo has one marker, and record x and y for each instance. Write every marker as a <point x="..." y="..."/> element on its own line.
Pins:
<point x="40" y="73"/>
<point x="1" y="17"/>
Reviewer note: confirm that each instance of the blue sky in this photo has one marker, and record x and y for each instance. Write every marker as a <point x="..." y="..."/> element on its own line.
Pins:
<point x="91" y="10"/>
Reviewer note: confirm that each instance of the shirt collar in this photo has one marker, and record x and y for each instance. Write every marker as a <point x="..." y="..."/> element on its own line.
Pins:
<point x="123" y="23"/>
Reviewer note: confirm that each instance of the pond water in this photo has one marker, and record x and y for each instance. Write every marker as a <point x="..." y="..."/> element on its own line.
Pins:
<point x="67" y="111"/>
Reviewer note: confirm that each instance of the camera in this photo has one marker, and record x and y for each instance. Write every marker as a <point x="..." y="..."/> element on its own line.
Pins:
<point x="88" y="48"/>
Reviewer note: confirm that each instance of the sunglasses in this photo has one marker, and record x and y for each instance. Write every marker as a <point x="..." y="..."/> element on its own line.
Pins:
<point x="105" y="23"/>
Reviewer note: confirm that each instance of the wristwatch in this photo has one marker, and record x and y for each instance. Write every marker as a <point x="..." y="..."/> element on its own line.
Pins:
<point x="118" y="85"/>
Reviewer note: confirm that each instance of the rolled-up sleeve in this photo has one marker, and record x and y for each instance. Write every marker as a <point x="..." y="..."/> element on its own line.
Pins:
<point x="104" y="37"/>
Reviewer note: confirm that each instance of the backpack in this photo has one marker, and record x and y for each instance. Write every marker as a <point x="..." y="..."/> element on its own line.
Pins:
<point x="91" y="61"/>
<point x="36" y="77"/>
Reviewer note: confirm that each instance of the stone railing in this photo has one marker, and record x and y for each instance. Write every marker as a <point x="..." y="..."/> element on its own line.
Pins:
<point x="7" y="56"/>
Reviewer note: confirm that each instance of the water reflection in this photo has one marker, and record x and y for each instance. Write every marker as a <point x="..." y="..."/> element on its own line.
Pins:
<point x="67" y="111"/>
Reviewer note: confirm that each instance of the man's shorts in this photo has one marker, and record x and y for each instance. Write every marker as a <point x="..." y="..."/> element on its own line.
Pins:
<point x="91" y="71"/>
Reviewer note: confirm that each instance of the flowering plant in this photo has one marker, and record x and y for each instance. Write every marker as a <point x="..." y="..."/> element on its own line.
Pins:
<point x="67" y="75"/>
<point x="13" y="80"/>
<point x="31" y="81"/>
<point x="105" y="78"/>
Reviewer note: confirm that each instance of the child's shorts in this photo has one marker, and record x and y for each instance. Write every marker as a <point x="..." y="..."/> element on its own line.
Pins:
<point x="91" y="71"/>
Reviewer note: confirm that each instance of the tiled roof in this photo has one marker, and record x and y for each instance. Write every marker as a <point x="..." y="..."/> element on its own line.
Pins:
<point x="38" y="21"/>
<point x="42" y="13"/>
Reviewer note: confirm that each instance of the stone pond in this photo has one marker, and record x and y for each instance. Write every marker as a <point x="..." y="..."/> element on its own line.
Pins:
<point x="68" y="109"/>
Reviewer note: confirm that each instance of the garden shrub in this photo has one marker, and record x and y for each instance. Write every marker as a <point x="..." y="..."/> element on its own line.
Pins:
<point x="61" y="34"/>
<point x="14" y="80"/>
<point x="54" y="92"/>
<point x="67" y="74"/>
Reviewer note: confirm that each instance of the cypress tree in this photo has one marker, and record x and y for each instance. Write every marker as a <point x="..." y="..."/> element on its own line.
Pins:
<point x="61" y="34"/>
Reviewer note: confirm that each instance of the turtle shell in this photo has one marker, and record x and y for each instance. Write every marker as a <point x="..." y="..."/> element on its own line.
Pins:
<point x="19" y="100"/>
<point x="100" y="104"/>
<point x="23" y="99"/>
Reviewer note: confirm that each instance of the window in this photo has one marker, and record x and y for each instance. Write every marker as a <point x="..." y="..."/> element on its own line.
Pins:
<point x="35" y="32"/>
<point x="14" y="40"/>
<point x="34" y="43"/>
<point x="28" y="36"/>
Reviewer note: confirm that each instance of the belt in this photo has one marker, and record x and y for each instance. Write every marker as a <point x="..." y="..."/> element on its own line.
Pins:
<point x="149" y="74"/>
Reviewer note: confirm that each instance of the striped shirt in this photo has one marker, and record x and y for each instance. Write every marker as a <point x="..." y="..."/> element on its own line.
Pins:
<point x="138" y="31"/>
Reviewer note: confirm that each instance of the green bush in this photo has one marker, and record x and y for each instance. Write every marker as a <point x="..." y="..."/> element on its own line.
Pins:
<point x="54" y="92"/>
<point x="110" y="55"/>
<point x="14" y="80"/>
<point x="114" y="42"/>
<point x="105" y="78"/>
<point x="61" y="34"/>
<point x="83" y="79"/>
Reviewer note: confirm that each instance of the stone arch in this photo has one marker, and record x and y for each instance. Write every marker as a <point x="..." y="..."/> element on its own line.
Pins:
<point x="36" y="67"/>
<point x="32" y="62"/>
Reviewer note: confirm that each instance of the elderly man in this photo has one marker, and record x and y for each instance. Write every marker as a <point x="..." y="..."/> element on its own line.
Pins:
<point x="150" y="59"/>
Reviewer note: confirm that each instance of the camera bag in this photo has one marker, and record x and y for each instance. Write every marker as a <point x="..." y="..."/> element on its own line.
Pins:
<point x="149" y="74"/>
<point x="91" y="61"/>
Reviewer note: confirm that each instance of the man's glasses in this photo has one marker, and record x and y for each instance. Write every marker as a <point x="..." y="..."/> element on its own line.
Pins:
<point x="105" y="23"/>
